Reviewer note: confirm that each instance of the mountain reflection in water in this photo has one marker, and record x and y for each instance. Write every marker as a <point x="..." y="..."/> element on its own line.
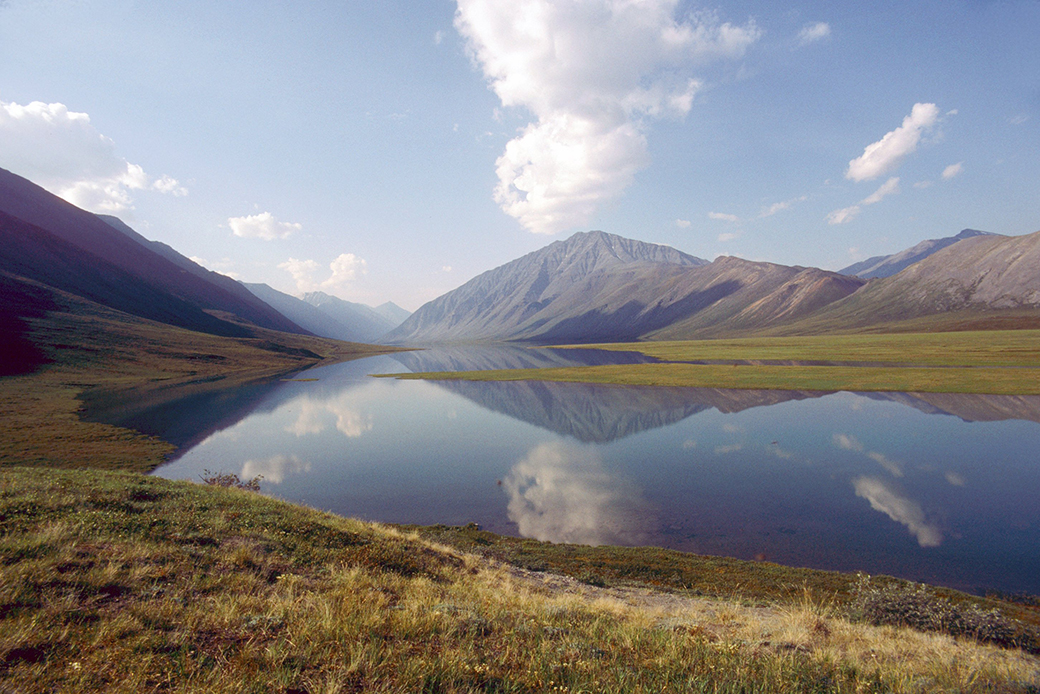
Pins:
<point x="841" y="481"/>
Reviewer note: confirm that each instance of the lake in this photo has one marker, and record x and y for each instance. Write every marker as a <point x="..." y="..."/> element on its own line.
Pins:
<point x="938" y="488"/>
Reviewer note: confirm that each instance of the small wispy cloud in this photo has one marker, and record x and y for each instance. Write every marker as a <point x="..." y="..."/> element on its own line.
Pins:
<point x="952" y="170"/>
<point x="811" y="33"/>
<point x="262" y="226"/>
<point x="847" y="214"/>
<point x="723" y="217"/>
<point x="683" y="223"/>
<point x="781" y="206"/>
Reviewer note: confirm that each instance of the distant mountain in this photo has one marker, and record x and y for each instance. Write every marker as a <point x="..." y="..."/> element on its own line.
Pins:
<point x="392" y="312"/>
<point x="888" y="265"/>
<point x="983" y="276"/>
<point x="303" y="314"/>
<point x="601" y="287"/>
<point x="364" y="323"/>
<point x="47" y="240"/>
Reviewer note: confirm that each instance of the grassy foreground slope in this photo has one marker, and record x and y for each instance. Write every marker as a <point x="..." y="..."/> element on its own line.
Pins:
<point x="123" y="583"/>
<point x="113" y="581"/>
<point x="995" y="362"/>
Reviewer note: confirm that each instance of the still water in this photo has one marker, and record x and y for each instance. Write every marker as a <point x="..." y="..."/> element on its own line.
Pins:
<point x="937" y="488"/>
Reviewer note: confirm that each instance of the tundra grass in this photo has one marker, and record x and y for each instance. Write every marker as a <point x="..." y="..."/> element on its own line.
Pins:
<point x="997" y="363"/>
<point x="118" y="582"/>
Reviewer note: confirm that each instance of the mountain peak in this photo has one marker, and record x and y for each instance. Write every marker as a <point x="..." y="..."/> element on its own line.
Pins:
<point x="595" y="286"/>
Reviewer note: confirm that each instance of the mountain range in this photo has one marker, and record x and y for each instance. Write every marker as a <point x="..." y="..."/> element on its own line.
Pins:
<point x="591" y="287"/>
<point x="330" y="316"/>
<point x="48" y="245"/>
<point x="597" y="287"/>
<point x="888" y="265"/>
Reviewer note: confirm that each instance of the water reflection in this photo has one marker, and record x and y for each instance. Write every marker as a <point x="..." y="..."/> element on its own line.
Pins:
<point x="561" y="492"/>
<point x="899" y="508"/>
<point x="969" y="407"/>
<point x="274" y="469"/>
<point x="836" y="481"/>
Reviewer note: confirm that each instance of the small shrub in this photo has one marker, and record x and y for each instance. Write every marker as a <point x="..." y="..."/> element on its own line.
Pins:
<point x="916" y="606"/>
<point x="229" y="479"/>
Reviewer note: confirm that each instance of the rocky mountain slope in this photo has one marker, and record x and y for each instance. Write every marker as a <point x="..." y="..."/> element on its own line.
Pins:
<point x="984" y="275"/>
<point x="47" y="240"/>
<point x="888" y="265"/>
<point x="601" y="287"/>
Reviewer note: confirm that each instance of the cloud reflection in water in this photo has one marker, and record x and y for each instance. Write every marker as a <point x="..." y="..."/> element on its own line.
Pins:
<point x="900" y="509"/>
<point x="561" y="493"/>
<point x="275" y="468"/>
<point x="313" y="414"/>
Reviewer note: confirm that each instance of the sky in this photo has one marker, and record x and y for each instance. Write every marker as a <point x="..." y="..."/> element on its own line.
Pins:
<point x="393" y="150"/>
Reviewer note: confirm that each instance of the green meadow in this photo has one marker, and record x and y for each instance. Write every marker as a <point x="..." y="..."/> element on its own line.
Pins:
<point x="993" y="362"/>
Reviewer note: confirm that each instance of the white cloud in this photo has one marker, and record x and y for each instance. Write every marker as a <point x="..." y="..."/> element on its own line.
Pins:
<point x="900" y="509"/>
<point x="811" y="33"/>
<point x="732" y="448"/>
<point x="889" y="187"/>
<point x="593" y="74"/>
<point x="847" y="214"/>
<point x="887" y="153"/>
<point x="723" y="217"/>
<point x="952" y="170"/>
<point x="955" y="479"/>
<point x="262" y="226"/>
<point x="344" y="270"/>
<point x="62" y="151"/>
<point x="683" y="223"/>
<point x="781" y="206"/>
<point x="438" y="37"/>
<point x="921" y="185"/>
<point x="723" y="238"/>
<point x="446" y="268"/>
<point x="844" y="215"/>
<point x="302" y="272"/>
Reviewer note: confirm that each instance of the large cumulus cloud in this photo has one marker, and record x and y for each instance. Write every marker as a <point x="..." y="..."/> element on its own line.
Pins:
<point x="593" y="73"/>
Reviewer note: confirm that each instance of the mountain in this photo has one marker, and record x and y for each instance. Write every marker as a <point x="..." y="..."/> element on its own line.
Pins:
<point x="303" y="314"/>
<point x="516" y="300"/>
<point x="363" y="323"/>
<point x="972" y="280"/>
<point x="888" y="265"/>
<point x="47" y="240"/>
<point x="601" y="287"/>
<point x="392" y="312"/>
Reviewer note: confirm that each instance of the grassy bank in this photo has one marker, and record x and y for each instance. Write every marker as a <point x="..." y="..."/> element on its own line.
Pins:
<point x="110" y="354"/>
<point x="118" y="582"/>
<point x="997" y="362"/>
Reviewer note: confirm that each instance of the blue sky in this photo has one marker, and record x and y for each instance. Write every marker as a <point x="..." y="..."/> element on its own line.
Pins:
<point x="393" y="150"/>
